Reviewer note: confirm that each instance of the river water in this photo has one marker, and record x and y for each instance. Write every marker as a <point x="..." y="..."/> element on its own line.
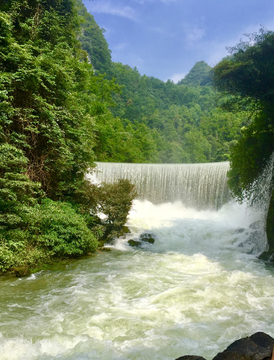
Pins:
<point x="194" y="291"/>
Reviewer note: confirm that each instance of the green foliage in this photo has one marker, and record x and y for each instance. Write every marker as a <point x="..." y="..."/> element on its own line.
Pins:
<point x="17" y="192"/>
<point x="62" y="231"/>
<point x="175" y="115"/>
<point x="93" y="42"/>
<point x="247" y="78"/>
<point x="51" y="230"/>
<point x="30" y="231"/>
<point x="54" y="111"/>
<point x="42" y="79"/>
<point x="249" y="156"/>
<point x="112" y="201"/>
<point x="6" y="259"/>
<point x="248" y="73"/>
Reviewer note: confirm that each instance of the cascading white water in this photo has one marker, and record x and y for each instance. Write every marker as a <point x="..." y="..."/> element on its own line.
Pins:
<point x="202" y="186"/>
<point x="194" y="291"/>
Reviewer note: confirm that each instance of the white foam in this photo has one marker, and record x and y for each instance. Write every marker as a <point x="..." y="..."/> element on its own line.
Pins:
<point x="194" y="291"/>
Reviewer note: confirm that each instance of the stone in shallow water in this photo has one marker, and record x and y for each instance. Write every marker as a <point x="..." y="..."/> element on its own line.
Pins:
<point x="134" y="242"/>
<point x="191" y="357"/>
<point x="148" y="237"/>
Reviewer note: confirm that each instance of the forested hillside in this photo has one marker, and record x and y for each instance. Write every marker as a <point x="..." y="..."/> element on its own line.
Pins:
<point x="156" y="121"/>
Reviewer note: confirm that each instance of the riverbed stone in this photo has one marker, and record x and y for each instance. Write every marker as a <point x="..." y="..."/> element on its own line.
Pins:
<point x="148" y="237"/>
<point x="133" y="242"/>
<point x="258" y="346"/>
<point x="191" y="357"/>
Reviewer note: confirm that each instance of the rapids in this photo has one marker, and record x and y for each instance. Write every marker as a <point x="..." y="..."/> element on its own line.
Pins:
<point x="194" y="291"/>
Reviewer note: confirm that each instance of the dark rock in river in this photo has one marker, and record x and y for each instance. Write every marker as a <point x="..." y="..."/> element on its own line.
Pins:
<point x="144" y="238"/>
<point x="134" y="242"/>
<point x="190" y="357"/>
<point x="148" y="237"/>
<point x="256" y="347"/>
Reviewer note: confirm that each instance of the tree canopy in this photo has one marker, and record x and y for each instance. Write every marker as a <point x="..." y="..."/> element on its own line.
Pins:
<point x="247" y="79"/>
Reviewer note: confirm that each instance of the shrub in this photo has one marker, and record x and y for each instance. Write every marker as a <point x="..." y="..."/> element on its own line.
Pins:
<point x="63" y="232"/>
<point x="112" y="200"/>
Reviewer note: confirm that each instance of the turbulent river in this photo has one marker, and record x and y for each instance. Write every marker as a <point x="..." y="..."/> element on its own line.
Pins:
<point x="194" y="291"/>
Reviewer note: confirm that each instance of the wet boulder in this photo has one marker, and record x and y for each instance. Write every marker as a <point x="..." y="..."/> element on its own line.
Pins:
<point x="133" y="242"/>
<point x="259" y="346"/>
<point x="145" y="237"/>
<point x="148" y="237"/>
<point x="191" y="357"/>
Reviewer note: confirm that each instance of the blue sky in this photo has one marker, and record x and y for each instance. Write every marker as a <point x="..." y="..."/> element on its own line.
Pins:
<point x="165" y="38"/>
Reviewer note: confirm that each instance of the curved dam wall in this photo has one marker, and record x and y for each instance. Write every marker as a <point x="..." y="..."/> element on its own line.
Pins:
<point x="199" y="186"/>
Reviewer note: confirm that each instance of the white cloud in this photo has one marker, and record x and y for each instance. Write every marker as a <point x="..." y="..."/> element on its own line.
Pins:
<point x="177" y="77"/>
<point x="194" y="34"/>
<point x="107" y="7"/>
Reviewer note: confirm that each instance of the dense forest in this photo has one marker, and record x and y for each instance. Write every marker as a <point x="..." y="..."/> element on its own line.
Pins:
<point x="64" y="105"/>
<point x="156" y="121"/>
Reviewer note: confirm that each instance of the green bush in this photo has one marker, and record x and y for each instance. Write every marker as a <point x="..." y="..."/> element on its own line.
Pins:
<point x="63" y="232"/>
<point x="52" y="230"/>
<point x="6" y="259"/>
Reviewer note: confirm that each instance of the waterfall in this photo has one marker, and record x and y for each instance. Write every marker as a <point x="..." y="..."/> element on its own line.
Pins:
<point x="199" y="186"/>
